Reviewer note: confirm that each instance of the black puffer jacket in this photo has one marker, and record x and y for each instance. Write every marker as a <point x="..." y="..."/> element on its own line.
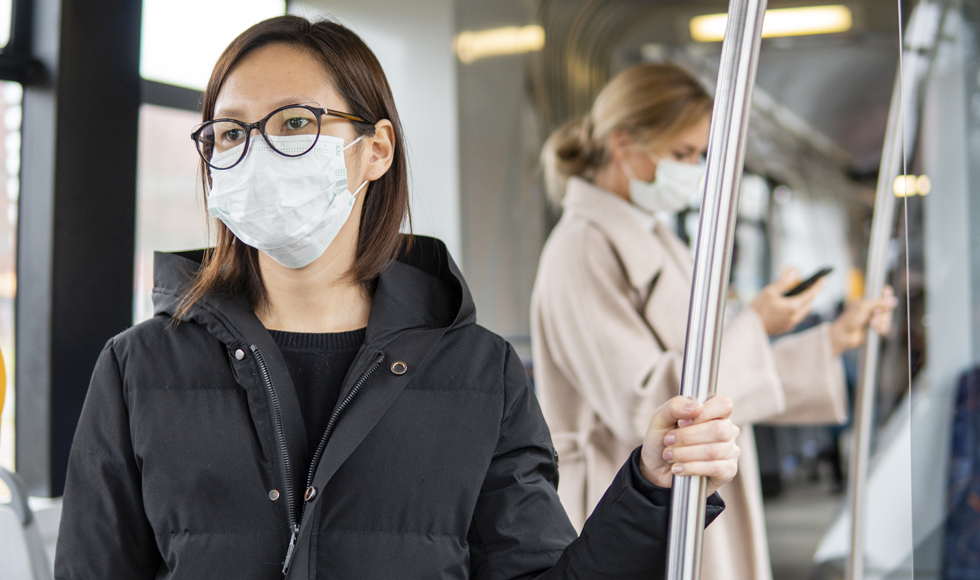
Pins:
<point x="190" y="456"/>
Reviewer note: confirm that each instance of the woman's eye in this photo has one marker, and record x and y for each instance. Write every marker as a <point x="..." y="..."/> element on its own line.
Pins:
<point x="296" y="123"/>
<point x="232" y="135"/>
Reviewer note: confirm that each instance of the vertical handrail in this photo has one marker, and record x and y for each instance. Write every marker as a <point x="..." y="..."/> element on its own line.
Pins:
<point x="712" y="262"/>
<point x="925" y="29"/>
<point x="881" y="228"/>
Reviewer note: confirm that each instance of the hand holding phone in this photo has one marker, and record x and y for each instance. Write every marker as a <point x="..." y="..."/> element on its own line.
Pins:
<point x="778" y="306"/>
<point x="808" y="283"/>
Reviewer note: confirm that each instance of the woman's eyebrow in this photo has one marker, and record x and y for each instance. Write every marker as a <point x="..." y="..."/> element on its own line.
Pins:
<point x="227" y="113"/>
<point x="235" y="113"/>
<point x="296" y="100"/>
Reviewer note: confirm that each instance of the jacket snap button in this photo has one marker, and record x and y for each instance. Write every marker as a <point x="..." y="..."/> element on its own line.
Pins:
<point x="310" y="493"/>
<point x="239" y="354"/>
<point x="273" y="494"/>
<point x="399" y="368"/>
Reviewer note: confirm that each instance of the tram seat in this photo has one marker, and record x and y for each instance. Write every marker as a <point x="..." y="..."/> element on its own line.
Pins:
<point x="962" y="542"/>
<point x="22" y="552"/>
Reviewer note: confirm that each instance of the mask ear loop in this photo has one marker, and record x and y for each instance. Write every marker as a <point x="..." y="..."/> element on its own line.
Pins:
<point x="627" y="170"/>
<point x="351" y="144"/>
<point x="346" y="147"/>
<point x="359" y="188"/>
<point x="656" y="161"/>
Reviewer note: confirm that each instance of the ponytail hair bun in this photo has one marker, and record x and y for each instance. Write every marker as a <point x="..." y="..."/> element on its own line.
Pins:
<point x="566" y="153"/>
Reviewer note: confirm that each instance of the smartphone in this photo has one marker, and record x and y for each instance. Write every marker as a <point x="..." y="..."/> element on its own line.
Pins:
<point x="808" y="283"/>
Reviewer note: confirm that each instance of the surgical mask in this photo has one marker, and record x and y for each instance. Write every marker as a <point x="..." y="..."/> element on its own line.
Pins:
<point x="674" y="188"/>
<point x="291" y="208"/>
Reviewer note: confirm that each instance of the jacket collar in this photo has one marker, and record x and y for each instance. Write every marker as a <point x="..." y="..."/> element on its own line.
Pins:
<point x="641" y="252"/>
<point x="422" y="289"/>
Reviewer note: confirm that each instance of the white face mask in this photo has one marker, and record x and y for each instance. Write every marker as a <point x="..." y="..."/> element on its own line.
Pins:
<point x="291" y="208"/>
<point x="674" y="188"/>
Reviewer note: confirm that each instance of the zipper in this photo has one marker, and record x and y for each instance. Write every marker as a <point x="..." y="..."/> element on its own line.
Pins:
<point x="333" y="422"/>
<point x="293" y="536"/>
<point x="281" y="439"/>
<point x="287" y="481"/>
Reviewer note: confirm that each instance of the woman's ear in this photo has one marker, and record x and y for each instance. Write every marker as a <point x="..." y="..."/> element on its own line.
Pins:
<point x="619" y="144"/>
<point x="382" y="150"/>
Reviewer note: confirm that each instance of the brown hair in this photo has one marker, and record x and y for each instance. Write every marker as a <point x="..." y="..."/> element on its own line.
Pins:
<point x="651" y="102"/>
<point x="232" y="267"/>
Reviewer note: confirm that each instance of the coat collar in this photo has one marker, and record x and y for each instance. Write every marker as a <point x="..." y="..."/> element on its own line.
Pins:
<point x="641" y="252"/>
<point x="423" y="288"/>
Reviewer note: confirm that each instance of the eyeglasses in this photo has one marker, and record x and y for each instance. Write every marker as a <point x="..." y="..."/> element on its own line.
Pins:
<point x="223" y="143"/>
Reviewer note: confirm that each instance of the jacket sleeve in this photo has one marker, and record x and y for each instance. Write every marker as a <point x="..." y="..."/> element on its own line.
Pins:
<point x="626" y="535"/>
<point x="104" y="530"/>
<point x="812" y="378"/>
<point x="748" y="371"/>
<point x="520" y="530"/>
<point x="798" y="378"/>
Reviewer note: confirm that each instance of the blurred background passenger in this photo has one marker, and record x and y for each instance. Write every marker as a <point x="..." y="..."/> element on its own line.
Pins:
<point x="610" y="305"/>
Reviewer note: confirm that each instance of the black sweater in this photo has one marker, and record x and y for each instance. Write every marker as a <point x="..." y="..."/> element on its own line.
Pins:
<point x="317" y="364"/>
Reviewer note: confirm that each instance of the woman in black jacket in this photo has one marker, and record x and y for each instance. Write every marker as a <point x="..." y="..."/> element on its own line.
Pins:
<point x="313" y="398"/>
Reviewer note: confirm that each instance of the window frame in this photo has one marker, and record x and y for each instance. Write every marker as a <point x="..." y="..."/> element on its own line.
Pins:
<point x="16" y="61"/>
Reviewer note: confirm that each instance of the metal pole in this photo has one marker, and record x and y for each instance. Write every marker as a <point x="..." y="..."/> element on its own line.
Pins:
<point x="881" y="233"/>
<point x="921" y="43"/>
<point x="719" y="207"/>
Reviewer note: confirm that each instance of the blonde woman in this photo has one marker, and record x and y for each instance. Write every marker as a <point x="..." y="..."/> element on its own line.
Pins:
<point x="610" y="304"/>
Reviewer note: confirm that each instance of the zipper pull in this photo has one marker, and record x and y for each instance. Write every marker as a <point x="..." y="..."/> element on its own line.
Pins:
<point x="289" y="551"/>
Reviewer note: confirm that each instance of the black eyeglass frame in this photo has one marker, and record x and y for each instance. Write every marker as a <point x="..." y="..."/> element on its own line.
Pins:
<point x="319" y="112"/>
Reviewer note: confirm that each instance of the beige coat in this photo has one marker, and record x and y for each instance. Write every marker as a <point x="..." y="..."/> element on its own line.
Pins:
<point x="609" y="317"/>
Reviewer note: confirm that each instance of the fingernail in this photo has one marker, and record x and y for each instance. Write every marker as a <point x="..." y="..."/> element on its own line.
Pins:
<point x="670" y="439"/>
<point x="677" y="469"/>
<point x="668" y="455"/>
<point x="691" y="405"/>
<point x="684" y="423"/>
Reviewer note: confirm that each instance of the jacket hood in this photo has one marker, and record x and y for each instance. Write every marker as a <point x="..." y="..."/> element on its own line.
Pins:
<point x="422" y="289"/>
